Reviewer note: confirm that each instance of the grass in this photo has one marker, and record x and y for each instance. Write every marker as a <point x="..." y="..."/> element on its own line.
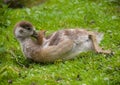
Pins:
<point x="87" y="69"/>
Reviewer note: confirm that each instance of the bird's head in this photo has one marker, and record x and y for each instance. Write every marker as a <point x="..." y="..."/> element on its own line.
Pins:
<point x="24" y="30"/>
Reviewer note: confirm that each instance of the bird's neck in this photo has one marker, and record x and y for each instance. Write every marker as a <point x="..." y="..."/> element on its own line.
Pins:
<point x="25" y="41"/>
<point x="21" y="39"/>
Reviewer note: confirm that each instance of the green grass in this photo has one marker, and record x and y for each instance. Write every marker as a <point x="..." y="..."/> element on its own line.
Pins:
<point x="87" y="69"/>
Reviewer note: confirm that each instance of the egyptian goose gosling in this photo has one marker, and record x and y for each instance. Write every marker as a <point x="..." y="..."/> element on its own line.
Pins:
<point x="63" y="44"/>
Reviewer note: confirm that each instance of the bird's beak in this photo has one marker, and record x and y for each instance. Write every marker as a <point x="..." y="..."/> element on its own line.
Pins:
<point x="35" y="35"/>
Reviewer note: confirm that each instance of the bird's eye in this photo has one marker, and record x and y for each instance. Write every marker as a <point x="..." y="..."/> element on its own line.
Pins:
<point x="28" y="28"/>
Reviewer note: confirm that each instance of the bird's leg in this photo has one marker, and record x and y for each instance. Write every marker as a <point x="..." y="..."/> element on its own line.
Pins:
<point x="96" y="47"/>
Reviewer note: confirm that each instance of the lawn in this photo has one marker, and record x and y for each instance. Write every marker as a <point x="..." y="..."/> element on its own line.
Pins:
<point x="88" y="68"/>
